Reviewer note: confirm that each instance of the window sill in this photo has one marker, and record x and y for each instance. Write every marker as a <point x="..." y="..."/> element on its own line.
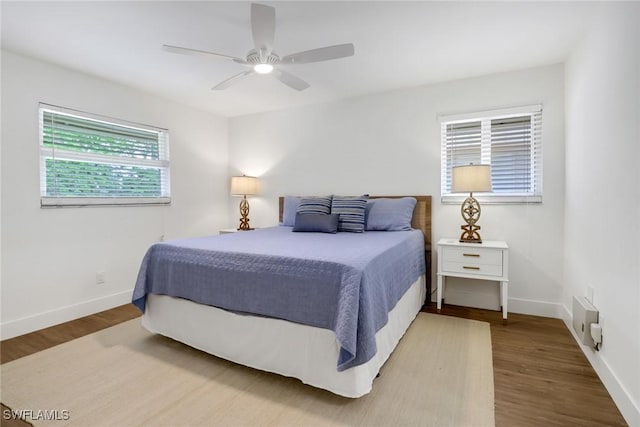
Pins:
<point x="82" y="202"/>
<point x="451" y="199"/>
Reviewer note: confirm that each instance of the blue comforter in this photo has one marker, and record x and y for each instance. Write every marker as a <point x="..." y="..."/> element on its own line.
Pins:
<point x="345" y="282"/>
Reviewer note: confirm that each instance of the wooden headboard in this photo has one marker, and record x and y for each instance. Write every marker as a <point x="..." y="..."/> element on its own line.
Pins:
<point x="421" y="219"/>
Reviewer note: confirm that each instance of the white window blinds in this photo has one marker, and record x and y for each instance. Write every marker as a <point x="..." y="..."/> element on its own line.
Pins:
<point x="508" y="140"/>
<point x="90" y="160"/>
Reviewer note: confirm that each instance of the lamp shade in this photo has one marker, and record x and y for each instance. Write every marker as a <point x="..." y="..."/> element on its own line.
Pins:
<point x="470" y="178"/>
<point x="244" y="185"/>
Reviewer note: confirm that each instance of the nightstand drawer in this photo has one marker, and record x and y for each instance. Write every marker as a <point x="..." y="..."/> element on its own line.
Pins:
<point x="472" y="268"/>
<point x="472" y="256"/>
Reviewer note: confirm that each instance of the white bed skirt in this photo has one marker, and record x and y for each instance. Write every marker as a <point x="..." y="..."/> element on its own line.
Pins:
<point x="286" y="348"/>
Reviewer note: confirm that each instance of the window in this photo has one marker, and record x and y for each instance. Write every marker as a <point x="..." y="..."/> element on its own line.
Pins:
<point x="508" y="140"/>
<point x="90" y="160"/>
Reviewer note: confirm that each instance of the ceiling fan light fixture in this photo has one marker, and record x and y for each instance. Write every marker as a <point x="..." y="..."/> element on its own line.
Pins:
<point x="263" y="68"/>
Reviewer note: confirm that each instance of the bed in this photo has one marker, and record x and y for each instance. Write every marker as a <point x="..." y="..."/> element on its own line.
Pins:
<point x="364" y="298"/>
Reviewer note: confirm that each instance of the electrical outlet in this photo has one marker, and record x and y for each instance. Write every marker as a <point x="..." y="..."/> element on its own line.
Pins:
<point x="589" y="295"/>
<point x="101" y="277"/>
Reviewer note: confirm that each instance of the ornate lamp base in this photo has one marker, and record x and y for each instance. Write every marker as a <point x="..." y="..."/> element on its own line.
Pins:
<point x="470" y="210"/>
<point x="244" y="215"/>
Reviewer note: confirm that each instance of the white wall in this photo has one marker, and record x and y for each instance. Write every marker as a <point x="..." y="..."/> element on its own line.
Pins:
<point x="389" y="143"/>
<point x="602" y="207"/>
<point x="50" y="256"/>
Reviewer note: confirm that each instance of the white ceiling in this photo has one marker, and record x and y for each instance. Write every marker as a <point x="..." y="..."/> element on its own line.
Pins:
<point x="397" y="44"/>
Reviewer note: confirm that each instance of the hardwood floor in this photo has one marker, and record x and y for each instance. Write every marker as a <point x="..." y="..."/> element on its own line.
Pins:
<point x="541" y="376"/>
<point x="24" y="345"/>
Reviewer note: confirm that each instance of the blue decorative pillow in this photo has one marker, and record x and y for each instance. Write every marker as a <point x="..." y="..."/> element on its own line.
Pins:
<point x="351" y="211"/>
<point x="315" y="205"/>
<point x="289" y="210"/>
<point x="323" y="223"/>
<point x="390" y="214"/>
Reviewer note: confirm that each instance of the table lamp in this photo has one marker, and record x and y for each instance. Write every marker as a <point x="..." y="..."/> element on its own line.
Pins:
<point x="244" y="186"/>
<point x="467" y="179"/>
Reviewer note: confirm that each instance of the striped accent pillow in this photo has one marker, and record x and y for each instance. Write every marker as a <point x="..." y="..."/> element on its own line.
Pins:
<point x="351" y="211"/>
<point x="315" y="205"/>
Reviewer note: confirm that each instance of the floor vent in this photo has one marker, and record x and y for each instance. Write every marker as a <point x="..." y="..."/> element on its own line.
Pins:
<point x="584" y="314"/>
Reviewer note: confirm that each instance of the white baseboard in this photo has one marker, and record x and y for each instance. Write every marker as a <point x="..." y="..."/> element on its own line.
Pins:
<point x="13" y="328"/>
<point x="621" y="397"/>
<point x="515" y="305"/>
<point x="535" y="308"/>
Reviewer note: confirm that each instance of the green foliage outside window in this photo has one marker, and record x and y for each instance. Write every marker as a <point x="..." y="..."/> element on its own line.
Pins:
<point x="78" y="179"/>
<point x="91" y="158"/>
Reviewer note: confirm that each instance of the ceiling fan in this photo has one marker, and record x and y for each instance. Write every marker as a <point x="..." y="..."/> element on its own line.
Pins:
<point x="263" y="59"/>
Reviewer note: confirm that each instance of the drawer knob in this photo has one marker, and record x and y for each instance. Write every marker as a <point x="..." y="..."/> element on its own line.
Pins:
<point x="470" y="268"/>
<point x="473" y="255"/>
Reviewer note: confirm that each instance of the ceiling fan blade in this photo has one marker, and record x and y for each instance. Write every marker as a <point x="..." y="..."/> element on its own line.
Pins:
<point x="196" y="52"/>
<point x="231" y="80"/>
<point x="290" y="80"/>
<point x="263" y="27"/>
<point x="320" y="54"/>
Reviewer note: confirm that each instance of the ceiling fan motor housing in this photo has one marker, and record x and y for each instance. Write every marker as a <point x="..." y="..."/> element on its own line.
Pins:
<point x="254" y="58"/>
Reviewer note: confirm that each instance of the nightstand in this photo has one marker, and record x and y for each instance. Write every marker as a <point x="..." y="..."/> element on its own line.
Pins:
<point x="231" y="230"/>
<point x="488" y="260"/>
<point x="228" y="230"/>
